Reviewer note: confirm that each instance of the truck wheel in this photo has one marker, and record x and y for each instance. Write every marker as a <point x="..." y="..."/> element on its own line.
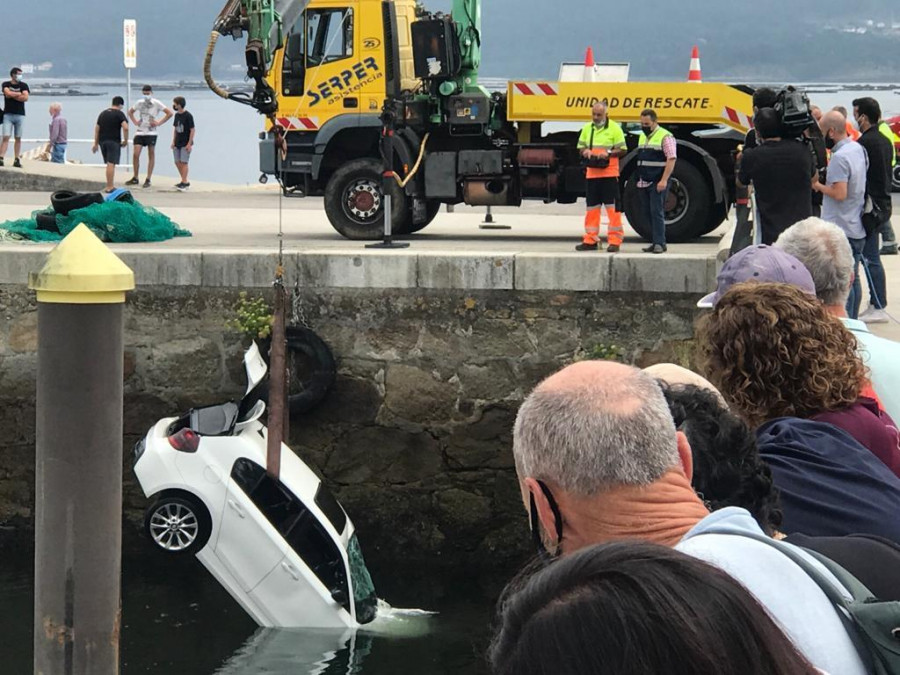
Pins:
<point x="354" y="202"/>
<point x="432" y="208"/>
<point x="688" y="205"/>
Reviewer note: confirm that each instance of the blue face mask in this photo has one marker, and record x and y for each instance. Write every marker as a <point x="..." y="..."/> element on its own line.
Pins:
<point x="148" y="98"/>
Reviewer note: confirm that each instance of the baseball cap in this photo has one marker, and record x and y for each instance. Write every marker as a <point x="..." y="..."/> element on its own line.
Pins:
<point x="760" y="263"/>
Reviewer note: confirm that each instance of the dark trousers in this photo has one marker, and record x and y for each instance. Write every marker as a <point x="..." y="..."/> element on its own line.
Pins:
<point x="653" y="204"/>
<point x="743" y="229"/>
<point x="875" y="270"/>
<point x="857" y="245"/>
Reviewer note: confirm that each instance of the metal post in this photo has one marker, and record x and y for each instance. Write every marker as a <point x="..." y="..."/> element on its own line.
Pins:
<point x="387" y="177"/>
<point x="128" y="89"/>
<point x="757" y="225"/>
<point x="78" y="463"/>
<point x="489" y="224"/>
<point x="277" y="359"/>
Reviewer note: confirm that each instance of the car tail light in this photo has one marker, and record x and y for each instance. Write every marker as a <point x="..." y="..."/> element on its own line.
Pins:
<point x="185" y="440"/>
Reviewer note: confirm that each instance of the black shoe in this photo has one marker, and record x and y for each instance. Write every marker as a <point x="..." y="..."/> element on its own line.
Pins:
<point x="1" y="161"/>
<point x="17" y="163"/>
<point x="613" y="248"/>
<point x="132" y="181"/>
<point x="655" y="248"/>
<point x="887" y="249"/>
<point x="147" y="183"/>
<point x="586" y="247"/>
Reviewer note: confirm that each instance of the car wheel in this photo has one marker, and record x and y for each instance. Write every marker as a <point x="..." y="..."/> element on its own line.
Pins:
<point x="895" y="179"/>
<point x="178" y="524"/>
<point x="354" y="201"/>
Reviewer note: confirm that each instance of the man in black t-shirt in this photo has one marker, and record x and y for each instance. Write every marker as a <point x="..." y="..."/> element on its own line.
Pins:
<point x="182" y="140"/>
<point x="782" y="172"/>
<point x="110" y="136"/>
<point x="15" y="94"/>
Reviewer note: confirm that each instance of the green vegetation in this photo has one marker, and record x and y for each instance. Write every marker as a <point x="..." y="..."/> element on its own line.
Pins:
<point x="253" y="317"/>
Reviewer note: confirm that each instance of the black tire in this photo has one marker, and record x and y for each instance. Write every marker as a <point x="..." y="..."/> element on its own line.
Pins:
<point x="46" y="220"/>
<point x="64" y="201"/>
<point x="689" y="204"/>
<point x="353" y="201"/>
<point x="312" y="369"/>
<point x="895" y="178"/>
<point x="193" y="524"/>
<point x="432" y="208"/>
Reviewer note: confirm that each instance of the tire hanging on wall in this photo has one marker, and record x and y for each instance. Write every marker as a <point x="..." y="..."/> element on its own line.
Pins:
<point x="312" y="369"/>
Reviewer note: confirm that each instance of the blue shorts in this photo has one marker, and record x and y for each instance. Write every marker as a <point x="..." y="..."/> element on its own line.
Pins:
<point x="13" y="123"/>
<point x="182" y="155"/>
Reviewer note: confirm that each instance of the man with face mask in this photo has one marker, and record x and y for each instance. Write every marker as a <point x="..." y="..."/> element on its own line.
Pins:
<point x="15" y="94"/>
<point x="845" y="193"/>
<point x="880" y="152"/>
<point x="601" y="144"/>
<point x="599" y="459"/>
<point x="656" y="155"/>
<point x="145" y="116"/>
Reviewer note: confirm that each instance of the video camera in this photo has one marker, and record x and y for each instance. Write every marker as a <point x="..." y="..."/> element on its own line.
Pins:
<point x="792" y="105"/>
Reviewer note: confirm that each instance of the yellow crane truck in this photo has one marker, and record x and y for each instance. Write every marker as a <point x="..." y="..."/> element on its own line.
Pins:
<point x="326" y="70"/>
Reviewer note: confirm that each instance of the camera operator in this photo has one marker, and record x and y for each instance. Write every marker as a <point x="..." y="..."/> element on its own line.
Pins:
<point x="782" y="173"/>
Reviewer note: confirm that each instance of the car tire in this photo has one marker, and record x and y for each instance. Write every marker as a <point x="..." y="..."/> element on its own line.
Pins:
<point x="312" y="370"/>
<point x="895" y="178"/>
<point x="693" y="202"/>
<point x="353" y="201"/>
<point x="64" y="201"/>
<point x="190" y="518"/>
<point x="46" y="220"/>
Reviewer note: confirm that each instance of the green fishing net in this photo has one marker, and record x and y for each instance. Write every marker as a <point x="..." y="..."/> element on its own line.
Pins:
<point x="116" y="222"/>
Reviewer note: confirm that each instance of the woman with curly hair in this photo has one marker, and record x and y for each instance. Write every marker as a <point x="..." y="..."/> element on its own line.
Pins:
<point x="774" y="351"/>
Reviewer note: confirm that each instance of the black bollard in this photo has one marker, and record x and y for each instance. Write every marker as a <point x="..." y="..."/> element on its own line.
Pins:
<point x="78" y="472"/>
<point x="489" y="224"/>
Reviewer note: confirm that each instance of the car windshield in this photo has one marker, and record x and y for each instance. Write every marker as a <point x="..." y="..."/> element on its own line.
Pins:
<point x="363" y="589"/>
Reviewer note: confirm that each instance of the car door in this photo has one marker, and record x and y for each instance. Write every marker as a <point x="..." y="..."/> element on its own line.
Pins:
<point x="248" y="545"/>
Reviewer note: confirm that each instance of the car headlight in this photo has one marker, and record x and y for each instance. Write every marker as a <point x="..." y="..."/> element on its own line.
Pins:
<point x="139" y="448"/>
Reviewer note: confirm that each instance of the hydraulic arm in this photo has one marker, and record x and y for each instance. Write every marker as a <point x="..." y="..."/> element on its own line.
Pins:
<point x="263" y="21"/>
<point x="467" y="16"/>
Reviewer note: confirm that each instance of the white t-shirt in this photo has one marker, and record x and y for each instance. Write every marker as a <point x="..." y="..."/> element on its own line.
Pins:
<point x="882" y="356"/>
<point x="145" y="112"/>
<point x="794" y="601"/>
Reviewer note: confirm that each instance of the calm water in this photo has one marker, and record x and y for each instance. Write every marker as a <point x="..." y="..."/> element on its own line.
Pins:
<point x="226" y="149"/>
<point x="177" y="620"/>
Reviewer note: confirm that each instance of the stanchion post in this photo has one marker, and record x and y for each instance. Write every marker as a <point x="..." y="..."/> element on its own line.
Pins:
<point x="387" y="176"/>
<point x="78" y="457"/>
<point x="489" y="224"/>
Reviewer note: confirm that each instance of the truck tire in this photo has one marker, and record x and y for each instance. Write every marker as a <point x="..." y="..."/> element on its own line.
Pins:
<point x="354" y="202"/>
<point x="432" y="208"/>
<point x="689" y="204"/>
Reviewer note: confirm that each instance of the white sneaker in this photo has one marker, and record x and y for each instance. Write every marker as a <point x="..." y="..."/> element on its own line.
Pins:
<point x="872" y="315"/>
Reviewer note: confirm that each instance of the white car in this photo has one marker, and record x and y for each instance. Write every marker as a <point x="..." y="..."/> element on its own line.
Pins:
<point x="284" y="549"/>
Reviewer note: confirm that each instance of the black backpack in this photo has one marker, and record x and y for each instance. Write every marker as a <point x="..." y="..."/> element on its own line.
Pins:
<point x="873" y="625"/>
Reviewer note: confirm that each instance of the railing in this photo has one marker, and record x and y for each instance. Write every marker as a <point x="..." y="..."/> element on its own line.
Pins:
<point x="37" y="154"/>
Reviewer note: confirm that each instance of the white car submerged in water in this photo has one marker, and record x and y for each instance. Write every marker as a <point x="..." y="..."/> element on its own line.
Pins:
<point x="284" y="549"/>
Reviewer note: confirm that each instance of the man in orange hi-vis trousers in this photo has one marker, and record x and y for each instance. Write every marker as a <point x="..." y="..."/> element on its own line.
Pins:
<point x="601" y="143"/>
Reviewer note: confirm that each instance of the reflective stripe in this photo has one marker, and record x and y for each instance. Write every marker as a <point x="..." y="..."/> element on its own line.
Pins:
<point x="646" y="163"/>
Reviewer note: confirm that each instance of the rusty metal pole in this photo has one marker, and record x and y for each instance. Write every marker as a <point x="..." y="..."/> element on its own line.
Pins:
<point x="277" y="363"/>
<point x="78" y="458"/>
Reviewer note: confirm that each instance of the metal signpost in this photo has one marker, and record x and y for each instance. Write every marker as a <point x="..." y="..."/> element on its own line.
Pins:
<point x="130" y="44"/>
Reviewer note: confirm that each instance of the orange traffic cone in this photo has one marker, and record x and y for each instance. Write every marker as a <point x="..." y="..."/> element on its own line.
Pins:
<point x="589" y="65"/>
<point x="694" y="72"/>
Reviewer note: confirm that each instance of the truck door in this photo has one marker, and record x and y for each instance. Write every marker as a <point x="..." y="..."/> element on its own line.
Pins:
<point x="322" y="73"/>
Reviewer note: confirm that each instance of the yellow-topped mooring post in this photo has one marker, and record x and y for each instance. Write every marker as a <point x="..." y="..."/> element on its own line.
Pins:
<point x="78" y="474"/>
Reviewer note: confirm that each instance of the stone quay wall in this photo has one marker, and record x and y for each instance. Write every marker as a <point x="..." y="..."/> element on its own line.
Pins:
<point x="414" y="437"/>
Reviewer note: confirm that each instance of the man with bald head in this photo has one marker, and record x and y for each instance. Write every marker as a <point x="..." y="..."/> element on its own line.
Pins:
<point x="599" y="459"/>
<point x="601" y="144"/>
<point x="844" y="193"/>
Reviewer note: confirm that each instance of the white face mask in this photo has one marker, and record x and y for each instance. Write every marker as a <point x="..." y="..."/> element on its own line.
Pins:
<point x="148" y="97"/>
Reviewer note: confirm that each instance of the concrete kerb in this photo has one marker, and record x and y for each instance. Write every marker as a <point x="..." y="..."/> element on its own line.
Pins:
<point x="355" y="268"/>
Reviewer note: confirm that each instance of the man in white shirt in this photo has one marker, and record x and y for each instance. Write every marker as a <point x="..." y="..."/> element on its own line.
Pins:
<point x="598" y="459"/>
<point x="145" y="115"/>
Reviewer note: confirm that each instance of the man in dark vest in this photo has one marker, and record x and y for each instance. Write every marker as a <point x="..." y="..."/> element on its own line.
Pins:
<point x="656" y="154"/>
